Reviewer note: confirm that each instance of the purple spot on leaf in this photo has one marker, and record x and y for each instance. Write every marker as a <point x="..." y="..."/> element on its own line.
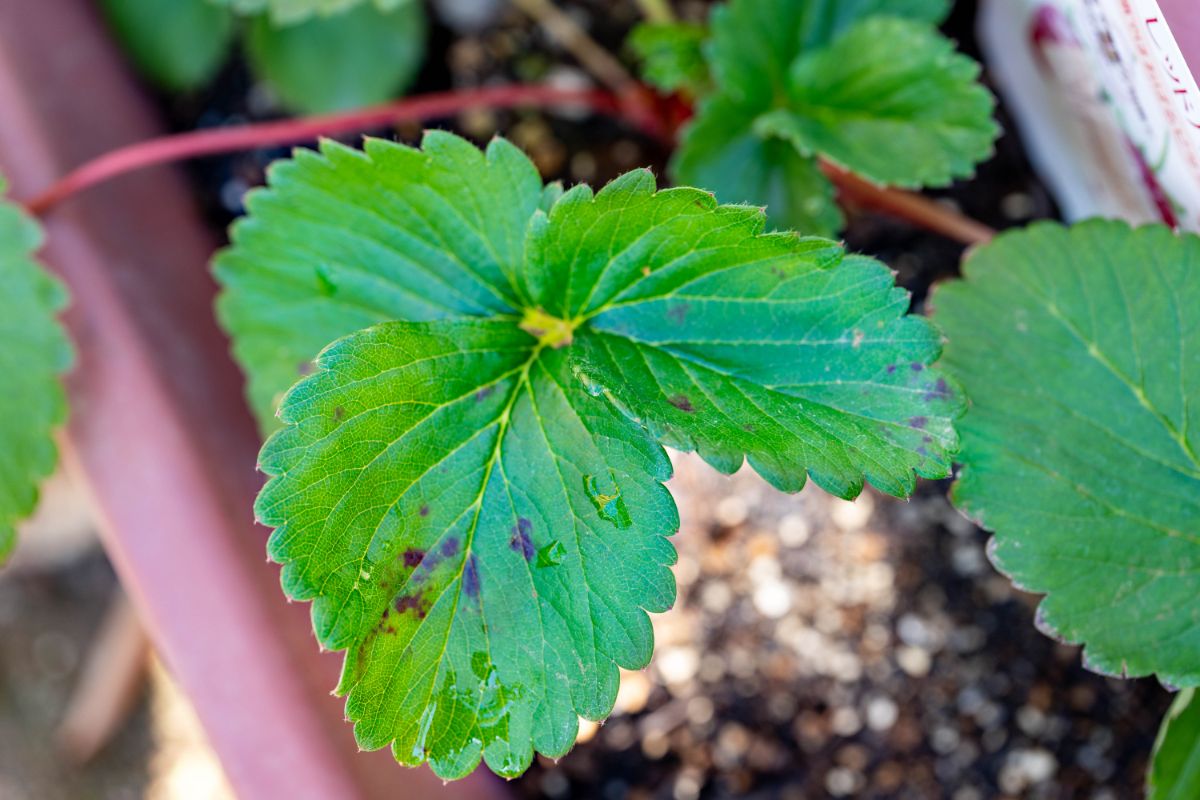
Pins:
<point x="522" y="540"/>
<point x="682" y="403"/>
<point x="471" y="578"/>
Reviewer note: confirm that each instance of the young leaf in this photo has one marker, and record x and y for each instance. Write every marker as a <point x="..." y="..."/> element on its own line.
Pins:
<point x="1079" y="350"/>
<point x="867" y="84"/>
<point x="480" y="527"/>
<point x="34" y="352"/>
<point x="1175" y="769"/>
<point x="671" y="56"/>
<point x="177" y="44"/>
<point x="755" y="42"/>
<point x="289" y="12"/>
<point x="891" y="101"/>
<point x="355" y="58"/>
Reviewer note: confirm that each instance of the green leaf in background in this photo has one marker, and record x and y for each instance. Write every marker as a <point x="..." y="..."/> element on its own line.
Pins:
<point x="1080" y="351"/>
<point x="34" y="352"/>
<point x="356" y="58"/>
<point x="671" y="56"/>
<point x="177" y="44"/>
<point x="891" y="101"/>
<point x="868" y="83"/>
<point x="721" y="150"/>
<point x="480" y="526"/>
<point x="289" y="12"/>
<point x="1175" y="769"/>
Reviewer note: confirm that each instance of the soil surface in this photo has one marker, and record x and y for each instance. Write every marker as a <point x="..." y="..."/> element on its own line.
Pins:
<point x="818" y="648"/>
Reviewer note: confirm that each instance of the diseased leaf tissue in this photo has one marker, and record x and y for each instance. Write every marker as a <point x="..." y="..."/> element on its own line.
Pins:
<point x="469" y="486"/>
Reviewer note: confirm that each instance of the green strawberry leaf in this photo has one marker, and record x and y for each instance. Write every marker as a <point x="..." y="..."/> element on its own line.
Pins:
<point x="34" y="352"/>
<point x="671" y="56"/>
<point x="891" y="101"/>
<point x="1078" y="349"/>
<point x="356" y="58"/>
<point x="177" y="44"/>
<point x="868" y="84"/>
<point x="423" y="469"/>
<point x="755" y="42"/>
<point x="721" y="150"/>
<point x="289" y="12"/>
<point x="346" y="239"/>
<point x="722" y="340"/>
<point x="469" y="487"/>
<point x="1175" y="769"/>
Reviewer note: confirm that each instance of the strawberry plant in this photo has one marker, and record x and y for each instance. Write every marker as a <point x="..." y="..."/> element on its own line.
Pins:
<point x="35" y="353"/>
<point x="467" y="377"/>
<point x="870" y="86"/>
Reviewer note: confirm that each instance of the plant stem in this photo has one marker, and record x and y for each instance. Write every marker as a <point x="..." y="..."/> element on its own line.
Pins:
<point x="183" y="146"/>
<point x="591" y="54"/>
<point x="914" y="208"/>
<point x="658" y="11"/>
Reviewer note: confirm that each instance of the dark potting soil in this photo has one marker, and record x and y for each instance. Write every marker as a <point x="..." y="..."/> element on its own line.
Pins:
<point x="926" y="678"/>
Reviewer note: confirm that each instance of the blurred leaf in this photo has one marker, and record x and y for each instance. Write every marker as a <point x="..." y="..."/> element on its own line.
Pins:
<point x="721" y="150"/>
<point x="671" y="56"/>
<point x="1079" y="350"/>
<point x="845" y="80"/>
<point x="34" y="352"/>
<point x="891" y="101"/>
<point x="357" y="58"/>
<point x="755" y="42"/>
<point x="1175" y="769"/>
<point x="289" y="12"/>
<point x="177" y="44"/>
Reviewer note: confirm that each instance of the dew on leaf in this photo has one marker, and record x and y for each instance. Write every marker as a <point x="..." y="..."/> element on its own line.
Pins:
<point x="608" y="503"/>
<point x="325" y="281"/>
<point x="552" y="554"/>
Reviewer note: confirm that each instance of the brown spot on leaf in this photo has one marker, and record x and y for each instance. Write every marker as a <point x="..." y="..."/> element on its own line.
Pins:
<point x="424" y="512"/>
<point x="918" y="422"/>
<point x="915" y="367"/>
<point x="413" y="557"/>
<point x="414" y="603"/>
<point x="339" y="414"/>
<point x="682" y="403"/>
<point x="891" y="368"/>
<point x="484" y="393"/>
<point x="450" y="547"/>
